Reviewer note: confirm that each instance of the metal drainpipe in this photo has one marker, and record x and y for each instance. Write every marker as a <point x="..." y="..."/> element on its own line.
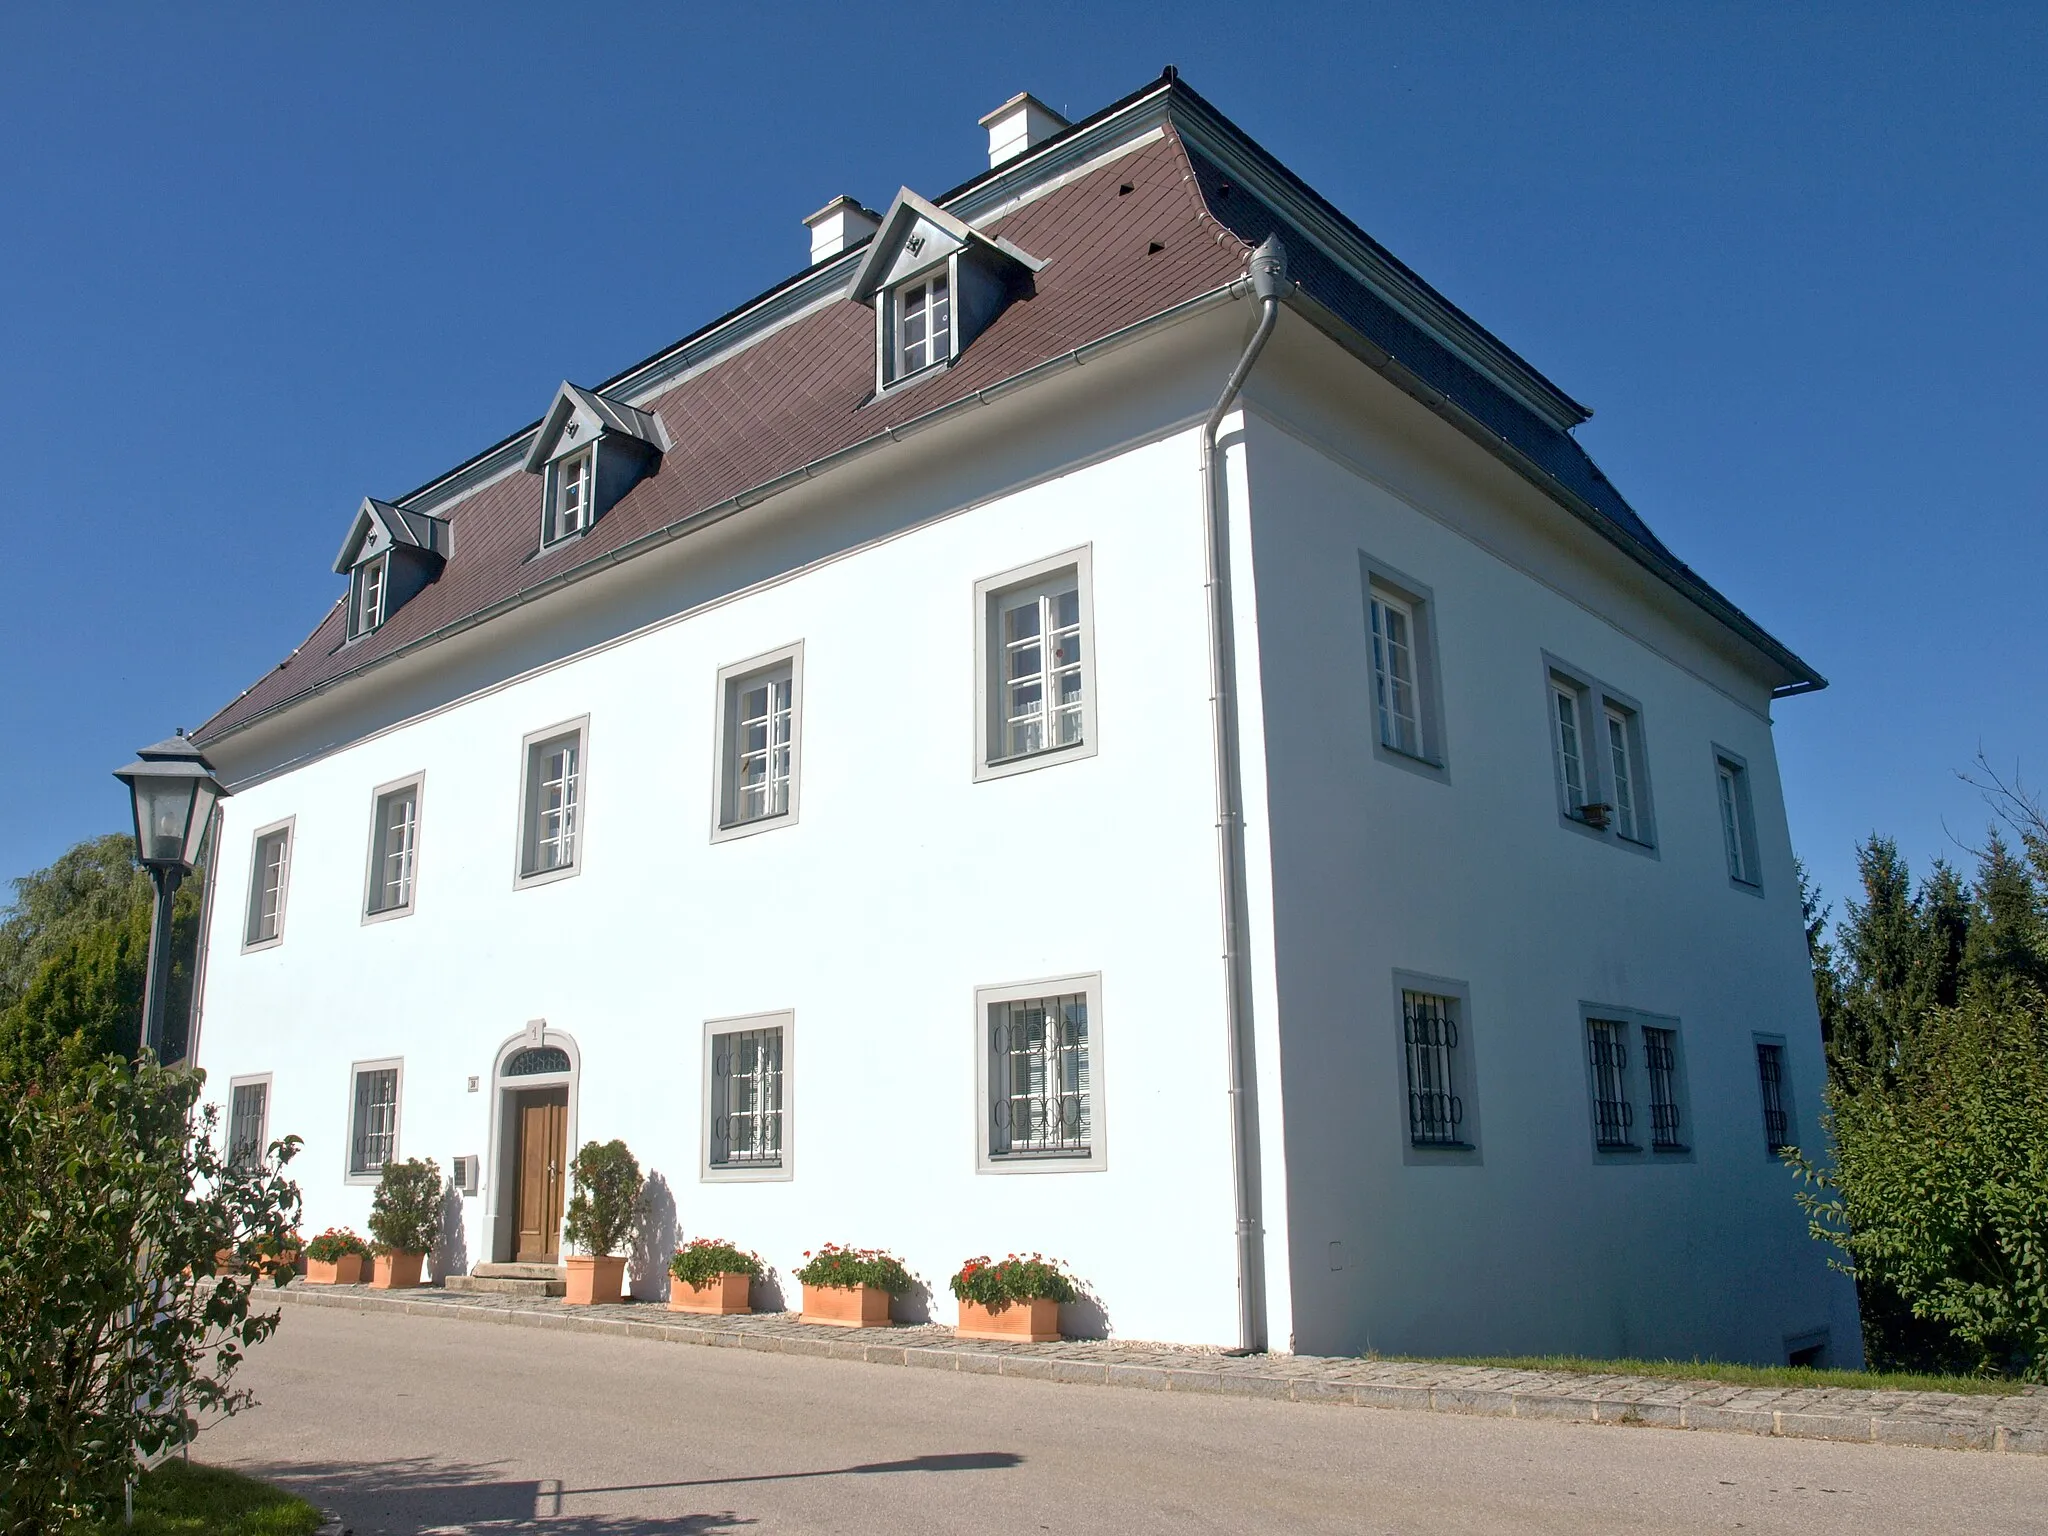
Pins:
<point x="1268" y="274"/>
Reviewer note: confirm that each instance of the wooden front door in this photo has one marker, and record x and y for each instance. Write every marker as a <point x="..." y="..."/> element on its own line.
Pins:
<point x="543" y="1154"/>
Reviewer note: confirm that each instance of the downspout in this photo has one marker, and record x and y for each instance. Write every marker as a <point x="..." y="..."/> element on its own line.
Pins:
<point x="1268" y="274"/>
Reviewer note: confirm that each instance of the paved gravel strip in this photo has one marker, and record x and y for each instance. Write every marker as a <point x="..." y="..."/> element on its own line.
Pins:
<point x="1942" y="1420"/>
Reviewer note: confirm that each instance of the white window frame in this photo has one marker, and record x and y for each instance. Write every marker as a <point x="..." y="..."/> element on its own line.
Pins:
<point x="1094" y="1157"/>
<point x="784" y="1168"/>
<point x="733" y="682"/>
<point x="374" y="873"/>
<point x="369" y="598"/>
<point x="989" y="595"/>
<point x="287" y="830"/>
<point x="1464" y="1069"/>
<point x="900" y="369"/>
<point x="577" y="467"/>
<point x="527" y="869"/>
<point x="393" y="1064"/>
<point x="1387" y="589"/>
<point x="235" y="1085"/>
<point x="1735" y="816"/>
<point x="1598" y="711"/>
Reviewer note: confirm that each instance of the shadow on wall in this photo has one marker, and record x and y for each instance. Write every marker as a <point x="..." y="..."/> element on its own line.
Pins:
<point x="654" y="1242"/>
<point x="1085" y="1317"/>
<point x="766" y="1295"/>
<point x="913" y="1305"/>
<point x="451" y="1248"/>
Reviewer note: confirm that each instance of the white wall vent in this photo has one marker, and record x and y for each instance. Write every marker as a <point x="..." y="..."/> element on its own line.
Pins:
<point x="462" y="1172"/>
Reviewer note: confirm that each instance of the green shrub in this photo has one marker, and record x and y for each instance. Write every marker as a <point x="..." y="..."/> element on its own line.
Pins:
<point x="1020" y="1277"/>
<point x="405" y="1216"/>
<point x="834" y="1265"/>
<point x="605" y="1209"/>
<point x="336" y="1243"/>
<point x="703" y="1259"/>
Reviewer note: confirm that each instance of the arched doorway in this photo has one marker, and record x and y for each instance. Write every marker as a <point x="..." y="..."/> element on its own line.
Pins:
<point x="533" y="1126"/>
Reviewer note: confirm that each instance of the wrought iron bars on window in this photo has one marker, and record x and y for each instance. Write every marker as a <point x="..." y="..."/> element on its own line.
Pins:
<point x="376" y="1120"/>
<point x="1660" y="1055"/>
<point x="1770" y="1072"/>
<point x="532" y="1060"/>
<point x="1038" y="1071"/>
<point x="245" y="1125"/>
<point x="1435" y="1111"/>
<point x="1613" y="1115"/>
<point x="746" y="1099"/>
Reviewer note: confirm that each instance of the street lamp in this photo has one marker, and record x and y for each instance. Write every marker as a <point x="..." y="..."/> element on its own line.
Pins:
<point x="174" y="792"/>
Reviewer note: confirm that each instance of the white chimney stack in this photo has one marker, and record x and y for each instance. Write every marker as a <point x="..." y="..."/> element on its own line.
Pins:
<point x="840" y="223"/>
<point x="1017" y="125"/>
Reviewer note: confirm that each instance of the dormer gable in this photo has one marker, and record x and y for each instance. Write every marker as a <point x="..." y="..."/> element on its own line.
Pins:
<point x="389" y="554"/>
<point x="590" y="450"/>
<point x="935" y="283"/>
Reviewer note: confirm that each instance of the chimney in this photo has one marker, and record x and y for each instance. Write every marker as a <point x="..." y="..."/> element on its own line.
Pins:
<point x="840" y="223"/>
<point x="1017" y="125"/>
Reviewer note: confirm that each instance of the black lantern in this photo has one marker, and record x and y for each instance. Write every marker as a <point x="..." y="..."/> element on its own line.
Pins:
<point x="174" y="791"/>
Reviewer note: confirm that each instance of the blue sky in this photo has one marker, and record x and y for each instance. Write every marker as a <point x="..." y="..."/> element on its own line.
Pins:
<point x="256" y="263"/>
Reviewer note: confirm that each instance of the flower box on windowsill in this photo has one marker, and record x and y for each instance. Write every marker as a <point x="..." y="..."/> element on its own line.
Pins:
<point x="396" y="1271"/>
<point x="593" y="1281"/>
<point x="1595" y="815"/>
<point x="1022" y="1322"/>
<point x="346" y="1270"/>
<point x="847" y="1306"/>
<point x="721" y="1295"/>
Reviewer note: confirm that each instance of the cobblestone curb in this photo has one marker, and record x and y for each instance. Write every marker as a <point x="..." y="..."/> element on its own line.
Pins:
<point x="1947" y="1421"/>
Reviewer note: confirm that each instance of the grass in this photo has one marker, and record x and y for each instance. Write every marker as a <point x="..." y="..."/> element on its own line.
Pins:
<point x="1749" y="1375"/>
<point x="183" y="1498"/>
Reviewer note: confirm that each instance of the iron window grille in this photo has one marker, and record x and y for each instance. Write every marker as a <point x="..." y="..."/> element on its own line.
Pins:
<point x="396" y="844"/>
<point x="534" y="1060"/>
<point x="1394" y="674"/>
<point x="1041" y="677"/>
<point x="1039" y="1094"/>
<point x="266" y="887"/>
<point x="1435" y="1112"/>
<point x="1770" y="1072"/>
<point x="924" y="325"/>
<point x="375" y="1139"/>
<point x="1613" y="1115"/>
<point x="746" y="1099"/>
<point x="247" y="1107"/>
<point x="1660" y="1055"/>
<point x="763" y="753"/>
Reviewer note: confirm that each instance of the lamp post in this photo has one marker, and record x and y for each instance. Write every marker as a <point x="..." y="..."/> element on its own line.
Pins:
<point x="174" y="791"/>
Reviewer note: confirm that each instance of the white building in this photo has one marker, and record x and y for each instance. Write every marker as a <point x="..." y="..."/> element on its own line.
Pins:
<point x="797" y="756"/>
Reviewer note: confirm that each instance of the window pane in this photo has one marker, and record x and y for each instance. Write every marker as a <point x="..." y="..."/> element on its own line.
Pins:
<point x="762" y="757"/>
<point x="1393" y="661"/>
<point x="1770" y="1070"/>
<point x="1039" y="1078"/>
<point x="1042" y="655"/>
<point x="1430" y="1028"/>
<point x="397" y="837"/>
<point x="1660" y="1055"/>
<point x="1570" y="769"/>
<point x="266" y="897"/>
<point x="746" y="1099"/>
<point x="1731" y="824"/>
<point x="245" y="1125"/>
<point x="376" y="1120"/>
<point x="1613" y="1116"/>
<point x="1624" y="778"/>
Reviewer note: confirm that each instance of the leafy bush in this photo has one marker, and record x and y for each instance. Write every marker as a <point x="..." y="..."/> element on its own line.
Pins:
<point x="114" y="1200"/>
<point x="704" y="1259"/>
<point x="834" y="1265"/>
<point x="605" y="1209"/>
<point x="1020" y="1277"/>
<point x="336" y="1243"/>
<point x="405" y="1216"/>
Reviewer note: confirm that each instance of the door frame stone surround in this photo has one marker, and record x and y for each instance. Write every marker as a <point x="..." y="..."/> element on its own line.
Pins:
<point x="501" y="1216"/>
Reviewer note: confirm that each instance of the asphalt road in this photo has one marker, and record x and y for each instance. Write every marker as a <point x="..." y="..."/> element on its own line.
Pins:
<point x="416" y="1424"/>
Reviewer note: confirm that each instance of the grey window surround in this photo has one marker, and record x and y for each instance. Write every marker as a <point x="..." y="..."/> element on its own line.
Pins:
<point x="1468" y="1152"/>
<point x="784" y="1168"/>
<point x="393" y="1064"/>
<point x="288" y="830"/>
<point x="526" y="870"/>
<point x="1636" y="1087"/>
<point x="1750" y="882"/>
<point x="373" y="876"/>
<point x="1595" y="699"/>
<point x="261" y="1139"/>
<point x="1433" y="761"/>
<point x="1787" y="1104"/>
<point x="731" y="680"/>
<point x="1095" y="1159"/>
<point x="988" y="653"/>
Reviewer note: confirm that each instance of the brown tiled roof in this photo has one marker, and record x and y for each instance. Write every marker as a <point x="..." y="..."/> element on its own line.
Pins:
<point x="805" y="392"/>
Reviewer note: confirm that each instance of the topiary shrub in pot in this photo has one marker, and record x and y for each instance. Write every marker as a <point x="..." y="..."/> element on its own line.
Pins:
<point x="708" y="1274"/>
<point x="603" y="1212"/>
<point x="851" y="1287"/>
<point x="405" y="1217"/>
<point x="336" y="1257"/>
<point x="1014" y="1298"/>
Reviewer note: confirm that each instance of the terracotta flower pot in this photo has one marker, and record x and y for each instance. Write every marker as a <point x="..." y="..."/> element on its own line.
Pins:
<point x="1032" y="1322"/>
<point x="594" y="1282"/>
<point x="396" y="1271"/>
<point x="723" y="1295"/>
<point x="847" y="1306"/>
<point x="346" y="1270"/>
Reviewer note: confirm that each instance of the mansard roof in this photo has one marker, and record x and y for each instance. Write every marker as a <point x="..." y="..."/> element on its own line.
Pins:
<point x="768" y="391"/>
<point x="575" y="408"/>
<point x="385" y="525"/>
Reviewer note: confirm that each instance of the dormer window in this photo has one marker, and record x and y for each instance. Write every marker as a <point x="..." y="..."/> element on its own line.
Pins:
<point x="569" y="495"/>
<point x="924" y="324"/>
<point x="371" y="579"/>
<point x="590" y="451"/>
<point x="389" y="555"/>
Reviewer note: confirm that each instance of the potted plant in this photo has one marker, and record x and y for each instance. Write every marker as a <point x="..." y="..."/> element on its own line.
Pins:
<point x="602" y="1214"/>
<point x="405" y="1217"/>
<point x="711" y="1275"/>
<point x="851" y="1287"/>
<point x="1017" y="1298"/>
<point x="336" y="1257"/>
<point x="264" y="1257"/>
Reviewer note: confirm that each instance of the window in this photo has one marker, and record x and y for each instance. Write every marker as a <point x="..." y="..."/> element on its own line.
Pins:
<point x="759" y="736"/>
<point x="1429" y="1029"/>
<point x="924" y="324"/>
<point x="394" y="849"/>
<point x="1393" y="668"/>
<point x="1571" y="757"/>
<point x="1634" y="1062"/>
<point x="248" y="1121"/>
<point x="1597" y="751"/>
<point x="1660" y="1057"/>
<point x="373" y="1118"/>
<point x="569" y="486"/>
<point x="366" y="610"/>
<point x="1040" y="1055"/>
<point x="1738" y="819"/>
<point x="269" y="879"/>
<point x="746" y="1103"/>
<point x="1777" y="1100"/>
<point x="551" y="826"/>
<point x="1036" y="666"/>
<point x="1407" y="703"/>
<point x="1613" y="1115"/>
<point x="1624" y="778"/>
